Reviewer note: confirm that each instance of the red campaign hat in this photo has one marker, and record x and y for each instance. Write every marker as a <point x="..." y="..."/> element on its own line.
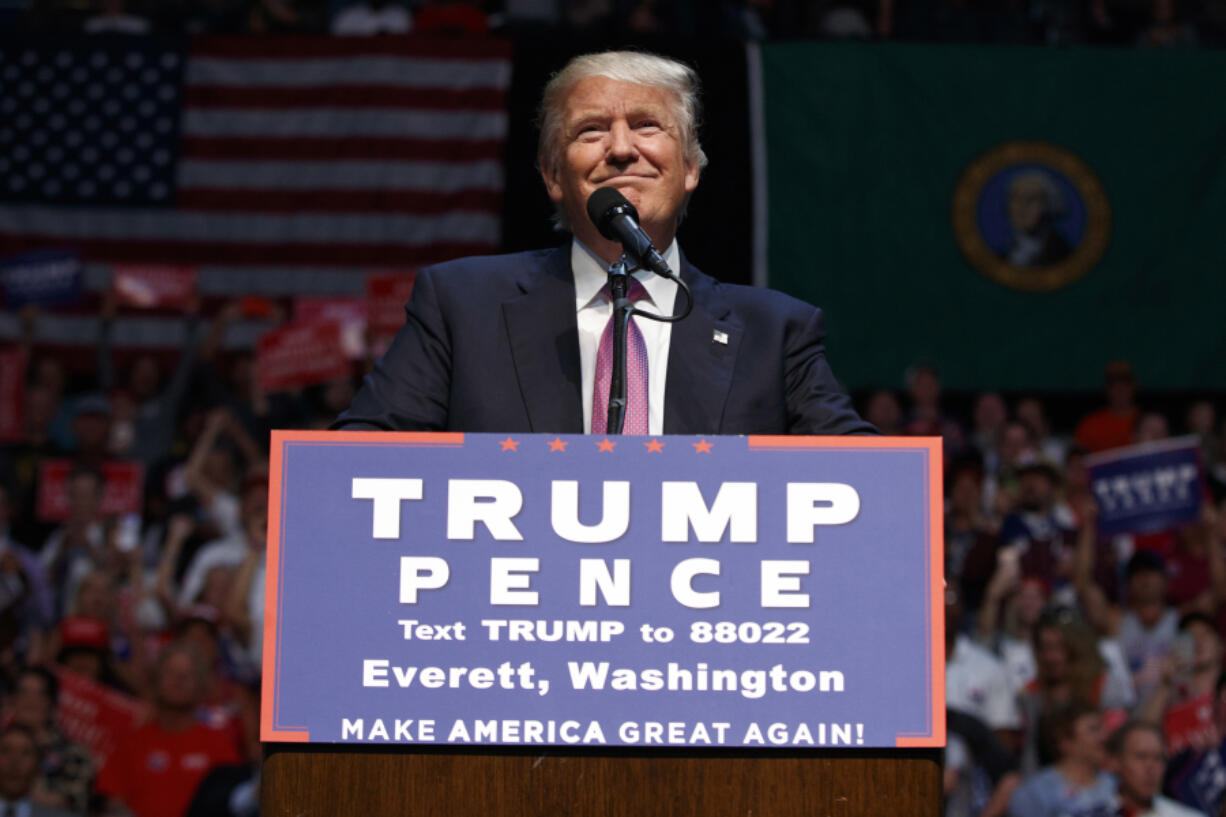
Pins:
<point x="83" y="631"/>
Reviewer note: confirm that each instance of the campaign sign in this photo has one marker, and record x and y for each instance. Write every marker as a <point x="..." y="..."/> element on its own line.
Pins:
<point x="1189" y="725"/>
<point x="12" y="387"/>
<point x="1148" y="487"/>
<point x="96" y="716"/>
<point x="42" y="277"/>
<point x="386" y="294"/>
<point x="154" y="286"/>
<point x="350" y="313"/>
<point x="122" y="490"/>
<point x="473" y="589"/>
<point x="300" y="355"/>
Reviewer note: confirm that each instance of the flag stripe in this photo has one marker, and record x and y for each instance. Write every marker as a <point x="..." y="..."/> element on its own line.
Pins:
<point x="334" y="123"/>
<point x="369" y="148"/>
<point x="364" y="70"/>
<point x="157" y="252"/>
<point x="443" y="177"/>
<point x="311" y="228"/>
<point x="344" y="96"/>
<point x="446" y="49"/>
<point x="417" y="202"/>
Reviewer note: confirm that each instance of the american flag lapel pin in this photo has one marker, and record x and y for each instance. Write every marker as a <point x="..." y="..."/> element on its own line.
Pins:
<point x="719" y="337"/>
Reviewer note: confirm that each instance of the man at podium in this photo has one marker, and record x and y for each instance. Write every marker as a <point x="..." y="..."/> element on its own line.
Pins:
<point x="520" y="343"/>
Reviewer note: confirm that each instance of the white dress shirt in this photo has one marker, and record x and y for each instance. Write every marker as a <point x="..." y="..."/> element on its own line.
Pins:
<point x="594" y="310"/>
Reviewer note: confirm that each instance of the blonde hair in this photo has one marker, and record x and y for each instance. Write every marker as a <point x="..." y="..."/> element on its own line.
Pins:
<point x="637" y="67"/>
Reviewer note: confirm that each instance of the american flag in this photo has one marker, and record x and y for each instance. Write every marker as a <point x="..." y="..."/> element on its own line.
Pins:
<point x="254" y="152"/>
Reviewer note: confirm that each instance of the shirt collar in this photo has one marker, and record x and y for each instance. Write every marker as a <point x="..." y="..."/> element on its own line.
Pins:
<point x="591" y="273"/>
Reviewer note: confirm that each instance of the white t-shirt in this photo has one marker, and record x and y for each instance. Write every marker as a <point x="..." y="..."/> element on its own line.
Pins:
<point x="976" y="683"/>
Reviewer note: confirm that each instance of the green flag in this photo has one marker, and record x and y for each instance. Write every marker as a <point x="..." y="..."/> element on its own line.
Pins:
<point x="1016" y="217"/>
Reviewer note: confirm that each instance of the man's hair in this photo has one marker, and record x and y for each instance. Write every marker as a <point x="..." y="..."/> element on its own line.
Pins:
<point x="1059" y="722"/>
<point x="637" y="67"/>
<point x="51" y="684"/>
<point x="25" y="731"/>
<point x="1115" y="743"/>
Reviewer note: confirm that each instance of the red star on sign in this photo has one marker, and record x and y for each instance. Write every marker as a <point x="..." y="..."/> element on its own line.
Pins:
<point x="606" y="444"/>
<point x="702" y="447"/>
<point x="557" y="444"/>
<point x="655" y="446"/>
<point x="509" y="445"/>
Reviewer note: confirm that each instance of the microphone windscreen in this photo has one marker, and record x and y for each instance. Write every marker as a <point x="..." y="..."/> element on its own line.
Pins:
<point x="604" y="204"/>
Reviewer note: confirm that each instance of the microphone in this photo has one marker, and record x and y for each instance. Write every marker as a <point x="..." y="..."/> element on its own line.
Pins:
<point x="617" y="220"/>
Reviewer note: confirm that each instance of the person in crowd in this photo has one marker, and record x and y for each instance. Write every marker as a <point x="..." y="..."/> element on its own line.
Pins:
<point x="975" y="680"/>
<point x="231" y="549"/>
<point x="1112" y="426"/>
<point x="1151" y="427"/>
<point x="1071" y="665"/>
<point x="1077" y="781"/>
<point x="155" y="769"/>
<point x="114" y="17"/>
<point x="212" y="471"/>
<point x="1201" y="421"/>
<point x="158" y="399"/>
<point x="989" y="417"/>
<point x="1031" y="413"/>
<point x="451" y="17"/>
<point x="884" y="412"/>
<point x="1011" y="607"/>
<point x="19" y="769"/>
<point x="66" y="768"/>
<point x="1138" y="758"/>
<point x="970" y="533"/>
<point x="1167" y="28"/>
<point x="980" y="773"/>
<point x="926" y="417"/>
<point x="77" y="545"/>
<point x="1041" y="530"/>
<point x="1001" y="485"/>
<point x="1146" y="625"/>
<point x="1196" y="776"/>
<point x="365" y="19"/>
<point x="25" y="594"/>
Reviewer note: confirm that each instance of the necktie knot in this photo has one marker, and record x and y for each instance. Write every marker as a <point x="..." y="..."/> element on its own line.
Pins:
<point x="636" y="372"/>
<point x="635" y="290"/>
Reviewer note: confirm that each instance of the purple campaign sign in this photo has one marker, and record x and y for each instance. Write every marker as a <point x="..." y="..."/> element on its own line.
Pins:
<point x="468" y="589"/>
<point x="42" y="277"/>
<point x="1148" y="487"/>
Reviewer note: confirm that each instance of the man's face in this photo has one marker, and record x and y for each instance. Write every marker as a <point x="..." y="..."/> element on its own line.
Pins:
<point x="1027" y="203"/>
<point x="18" y="765"/>
<point x="1086" y="742"/>
<point x="1140" y="766"/>
<point x="31" y="702"/>
<point x="1051" y="654"/>
<point x="177" y="684"/>
<point x="622" y="135"/>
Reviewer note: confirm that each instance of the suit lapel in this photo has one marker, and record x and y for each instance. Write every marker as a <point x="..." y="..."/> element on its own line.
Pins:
<point x="544" y="341"/>
<point x="701" y="354"/>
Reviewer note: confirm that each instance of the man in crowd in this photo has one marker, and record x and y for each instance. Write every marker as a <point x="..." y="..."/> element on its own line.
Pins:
<point x="155" y="770"/>
<point x="1138" y="758"/>
<point x="66" y="770"/>
<point x="1113" y="425"/>
<point x="19" y="766"/>
<point x="1077" y="782"/>
<point x="517" y="343"/>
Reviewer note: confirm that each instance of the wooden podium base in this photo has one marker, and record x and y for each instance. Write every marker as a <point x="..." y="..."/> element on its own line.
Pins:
<point x="374" y="782"/>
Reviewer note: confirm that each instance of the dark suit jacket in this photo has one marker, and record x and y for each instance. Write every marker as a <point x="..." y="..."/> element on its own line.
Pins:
<point x="491" y="344"/>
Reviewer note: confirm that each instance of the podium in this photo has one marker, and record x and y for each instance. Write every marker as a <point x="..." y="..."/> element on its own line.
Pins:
<point x="798" y="581"/>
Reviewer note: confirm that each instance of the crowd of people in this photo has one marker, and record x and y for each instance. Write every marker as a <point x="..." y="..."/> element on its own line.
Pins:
<point x="1084" y="672"/>
<point x="1145" y="23"/>
<point x="1068" y="654"/>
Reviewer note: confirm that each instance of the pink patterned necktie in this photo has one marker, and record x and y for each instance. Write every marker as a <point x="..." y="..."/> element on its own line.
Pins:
<point x="636" y="373"/>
